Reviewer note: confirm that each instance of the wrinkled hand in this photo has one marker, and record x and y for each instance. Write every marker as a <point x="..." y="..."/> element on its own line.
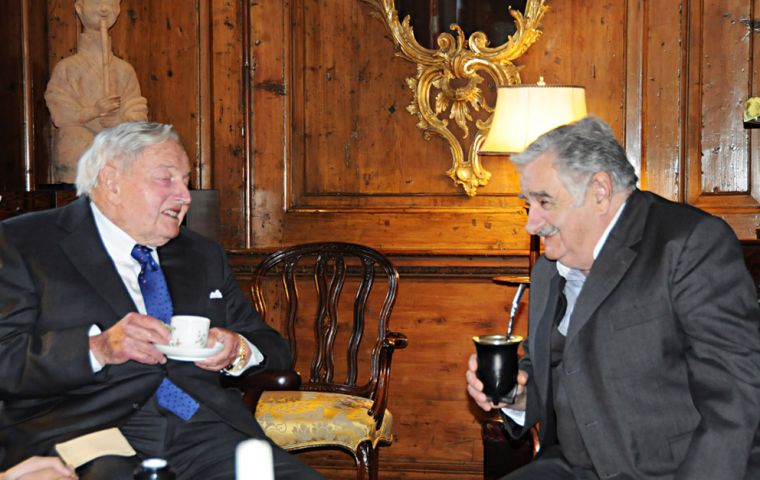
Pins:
<point x="39" y="468"/>
<point x="475" y="388"/>
<point x="132" y="338"/>
<point x="227" y="355"/>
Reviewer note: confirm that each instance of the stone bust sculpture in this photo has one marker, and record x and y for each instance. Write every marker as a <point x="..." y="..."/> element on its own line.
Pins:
<point x="90" y="90"/>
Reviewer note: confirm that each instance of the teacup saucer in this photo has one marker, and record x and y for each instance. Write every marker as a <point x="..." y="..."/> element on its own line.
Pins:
<point x="189" y="354"/>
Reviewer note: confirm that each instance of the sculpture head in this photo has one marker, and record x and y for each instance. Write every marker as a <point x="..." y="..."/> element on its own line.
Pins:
<point x="91" y="12"/>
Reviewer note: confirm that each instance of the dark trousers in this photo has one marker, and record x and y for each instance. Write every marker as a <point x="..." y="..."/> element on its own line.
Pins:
<point x="203" y="447"/>
<point x="551" y="465"/>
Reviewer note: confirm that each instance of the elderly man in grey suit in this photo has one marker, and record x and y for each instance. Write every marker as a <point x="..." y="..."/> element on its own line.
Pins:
<point x="85" y="291"/>
<point x="643" y="353"/>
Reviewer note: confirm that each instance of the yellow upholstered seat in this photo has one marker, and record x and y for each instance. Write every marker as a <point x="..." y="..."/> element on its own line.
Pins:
<point x="300" y="419"/>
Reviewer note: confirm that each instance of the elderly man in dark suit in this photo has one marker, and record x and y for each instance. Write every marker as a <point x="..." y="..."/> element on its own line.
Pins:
<point x="84" y="294"/>
<point x="643" y="354"/>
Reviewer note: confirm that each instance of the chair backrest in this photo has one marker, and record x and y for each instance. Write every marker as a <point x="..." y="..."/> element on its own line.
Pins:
<point x="341" y="337"/>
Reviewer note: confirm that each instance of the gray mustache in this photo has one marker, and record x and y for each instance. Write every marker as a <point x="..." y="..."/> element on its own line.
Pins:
<point x="547" y="231"/>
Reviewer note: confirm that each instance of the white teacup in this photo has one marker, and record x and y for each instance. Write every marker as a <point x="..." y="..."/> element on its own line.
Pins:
<point x="189" y="331"/>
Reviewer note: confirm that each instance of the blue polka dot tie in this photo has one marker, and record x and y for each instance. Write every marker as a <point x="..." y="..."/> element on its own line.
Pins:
<point x="158" y="303"/>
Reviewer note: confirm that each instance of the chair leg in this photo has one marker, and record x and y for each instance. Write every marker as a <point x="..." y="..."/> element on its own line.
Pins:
<point x="367" y="462"/>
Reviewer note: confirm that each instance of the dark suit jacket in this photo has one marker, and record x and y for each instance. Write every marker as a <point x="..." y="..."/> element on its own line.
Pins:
<point x="662" y="356"/>
<point x="56" y="280"/>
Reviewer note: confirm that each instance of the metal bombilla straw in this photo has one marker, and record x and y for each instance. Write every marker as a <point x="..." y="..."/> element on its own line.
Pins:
<point x="513" y="310"/>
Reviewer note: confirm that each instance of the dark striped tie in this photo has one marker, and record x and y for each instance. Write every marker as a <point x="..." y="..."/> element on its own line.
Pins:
<point x="158" y="303"/>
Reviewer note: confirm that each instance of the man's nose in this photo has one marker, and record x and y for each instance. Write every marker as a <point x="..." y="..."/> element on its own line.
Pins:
<point x="534" y="222"/>
<point x="183" y="194"/>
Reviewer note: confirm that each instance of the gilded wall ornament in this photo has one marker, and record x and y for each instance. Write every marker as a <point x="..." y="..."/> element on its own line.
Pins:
<point x="449" y="84"/>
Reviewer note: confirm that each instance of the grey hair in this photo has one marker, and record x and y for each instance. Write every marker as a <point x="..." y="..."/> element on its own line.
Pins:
<point x="582" y="149"/>
<point x="119" y="145"/>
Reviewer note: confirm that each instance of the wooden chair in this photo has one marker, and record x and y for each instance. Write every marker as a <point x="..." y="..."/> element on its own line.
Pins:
<point x="345" y="342"/>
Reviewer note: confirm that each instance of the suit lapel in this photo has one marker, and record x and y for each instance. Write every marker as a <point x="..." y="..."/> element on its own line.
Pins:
<point x="541" y="336"/>
<point x="182" y="265"/>
<point x="613" y="262"/>
<point x="86" y="252"/>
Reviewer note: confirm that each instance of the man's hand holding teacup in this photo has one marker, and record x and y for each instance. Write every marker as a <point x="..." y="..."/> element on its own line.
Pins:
<point x="475" y="388"/>
<point x="131" y="338"/>
<point x="232" y="343"/>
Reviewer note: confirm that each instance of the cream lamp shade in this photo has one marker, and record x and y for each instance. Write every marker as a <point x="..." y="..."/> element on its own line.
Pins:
<point x="525" y="112"/>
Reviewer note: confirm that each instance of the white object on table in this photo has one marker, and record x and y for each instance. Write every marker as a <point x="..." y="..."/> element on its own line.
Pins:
<point x="253" y="460"/>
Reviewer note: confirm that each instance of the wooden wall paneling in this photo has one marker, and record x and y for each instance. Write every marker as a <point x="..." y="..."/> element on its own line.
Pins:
<point x="663" y="98"/>
<point x="23" y="62"/>
<point x="720" y="61"/>
<point x="229" y="74"/>
<point x="634" y="84"/>
<point x="445" y="230"/>
<point x="62" y="31"/>
<point x="358" y="139"/>
<point x="349" y="154"/>
<point x="11" y="100"/>
<point x="270" y="124"/>
<point x="204" y="123"/>
<point x="584" y="43"/>
<point x="40" y="72"/>
<point x="26" y="97"/>
<point x="721" y="178"/>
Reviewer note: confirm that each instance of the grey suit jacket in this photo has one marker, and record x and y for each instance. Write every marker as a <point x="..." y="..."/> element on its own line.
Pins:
<point x="56" y="280"/>
<point x="662" y="356"/>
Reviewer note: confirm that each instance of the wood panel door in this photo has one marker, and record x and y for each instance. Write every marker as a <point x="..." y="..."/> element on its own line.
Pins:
<point x="723" y="168"/>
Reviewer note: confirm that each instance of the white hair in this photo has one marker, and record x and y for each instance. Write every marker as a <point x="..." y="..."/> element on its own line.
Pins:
<point x="119" y="146"/>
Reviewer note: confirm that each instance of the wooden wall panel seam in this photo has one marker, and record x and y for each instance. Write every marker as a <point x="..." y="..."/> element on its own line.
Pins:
<point x="204" y="160"/>
<point x="27" y="92"/>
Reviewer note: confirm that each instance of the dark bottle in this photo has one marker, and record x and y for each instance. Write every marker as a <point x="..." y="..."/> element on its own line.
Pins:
<point x="154" y="469"/>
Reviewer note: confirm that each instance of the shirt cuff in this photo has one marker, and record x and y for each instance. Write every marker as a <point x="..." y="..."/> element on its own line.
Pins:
<point x="254" y="358"/>
<point x="517" y="416"/>
<point x="96" y="366"/>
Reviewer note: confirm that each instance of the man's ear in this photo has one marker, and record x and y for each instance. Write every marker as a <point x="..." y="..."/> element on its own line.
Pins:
<point x="601" y="189"/>
<point x="108" y="181"/>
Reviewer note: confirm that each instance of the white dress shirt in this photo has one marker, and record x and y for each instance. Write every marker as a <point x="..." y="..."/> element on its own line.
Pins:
<point x="119" y="245"/>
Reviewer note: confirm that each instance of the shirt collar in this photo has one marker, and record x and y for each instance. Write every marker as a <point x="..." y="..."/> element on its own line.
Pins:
<point x="565" y="271"/>
<point x="118" y="243"/>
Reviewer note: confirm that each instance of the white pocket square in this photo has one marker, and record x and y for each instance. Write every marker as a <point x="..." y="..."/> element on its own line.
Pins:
<point x="215" y="294"/>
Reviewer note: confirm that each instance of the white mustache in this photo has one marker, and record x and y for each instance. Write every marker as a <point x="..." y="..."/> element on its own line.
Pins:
<point x="547" y="231"/>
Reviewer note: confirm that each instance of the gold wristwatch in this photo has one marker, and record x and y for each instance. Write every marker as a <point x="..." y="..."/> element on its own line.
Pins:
<point x="242" y="355"/>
